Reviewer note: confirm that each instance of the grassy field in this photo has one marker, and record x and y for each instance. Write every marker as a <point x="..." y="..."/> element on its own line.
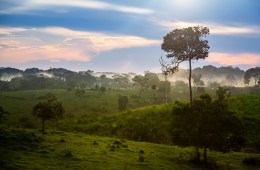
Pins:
<point x="61" y="150"/>
<point x="92" y="114"/>
<point x="20" y="103"/>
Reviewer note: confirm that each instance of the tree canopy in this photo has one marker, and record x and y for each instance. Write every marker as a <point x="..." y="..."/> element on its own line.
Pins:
<point x="50" y="109"/>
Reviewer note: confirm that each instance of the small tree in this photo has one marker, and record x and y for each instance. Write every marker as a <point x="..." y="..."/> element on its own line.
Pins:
<point x="51" y="109"/>
<point x="186" y="44"/>
<point x="122" y="103"/>
<point x="205" y="124"/>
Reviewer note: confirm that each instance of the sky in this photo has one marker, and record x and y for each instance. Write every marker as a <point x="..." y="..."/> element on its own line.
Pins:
<point x="123" y="36"/>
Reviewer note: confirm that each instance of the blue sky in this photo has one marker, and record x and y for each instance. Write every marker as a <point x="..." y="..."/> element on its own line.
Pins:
<point x="123" y="36"/>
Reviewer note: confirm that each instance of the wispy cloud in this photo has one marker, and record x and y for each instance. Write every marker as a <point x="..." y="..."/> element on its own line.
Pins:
<point x="27" y="5"/>
<point x="234" y="59"/>
<point x="100" y="41"/>
<point x="215" y="28"/>
<point x="19" y="45"/>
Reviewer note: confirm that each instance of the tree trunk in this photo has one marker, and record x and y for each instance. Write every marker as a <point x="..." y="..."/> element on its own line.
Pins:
<point x="166" y="97"/>
<point x="205" y="155"/>
<point x="190" y="81"/>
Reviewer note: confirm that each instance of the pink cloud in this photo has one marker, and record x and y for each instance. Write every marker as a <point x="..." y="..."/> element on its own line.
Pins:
<point x="234" y="59"/>
<point x="53" y="53"/>
<point x="65" y="45"/>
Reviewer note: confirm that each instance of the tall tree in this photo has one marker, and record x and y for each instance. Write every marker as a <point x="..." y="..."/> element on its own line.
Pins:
<point x="252" y="73"/>
<point x="51" y="109"/>
<point x="186" y="44"/>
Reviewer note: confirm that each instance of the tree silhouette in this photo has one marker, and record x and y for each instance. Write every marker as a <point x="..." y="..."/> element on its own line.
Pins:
<point x="51" y="109"/>
<point x="252" y="73"/>
<point x="186" y="44"/>
<point x="206" y="123"/>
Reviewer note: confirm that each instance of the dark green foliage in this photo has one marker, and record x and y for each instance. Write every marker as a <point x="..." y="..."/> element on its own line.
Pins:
<point x="122" y="103"/>
<point x="50" y="109"/>
<point x="206" y="124"/>
<point x="3" y="113"/>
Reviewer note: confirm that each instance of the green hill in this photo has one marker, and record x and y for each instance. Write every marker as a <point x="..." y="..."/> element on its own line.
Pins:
<point x="61" y="150"/>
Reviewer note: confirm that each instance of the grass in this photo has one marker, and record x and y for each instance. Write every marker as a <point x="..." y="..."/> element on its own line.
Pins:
<point x="20" y="103"/>
<point x="246" y="105"/>
<point x="61" y="150"/>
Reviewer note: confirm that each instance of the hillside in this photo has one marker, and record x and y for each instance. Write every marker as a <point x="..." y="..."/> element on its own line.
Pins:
<point x="60" y="150"/>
